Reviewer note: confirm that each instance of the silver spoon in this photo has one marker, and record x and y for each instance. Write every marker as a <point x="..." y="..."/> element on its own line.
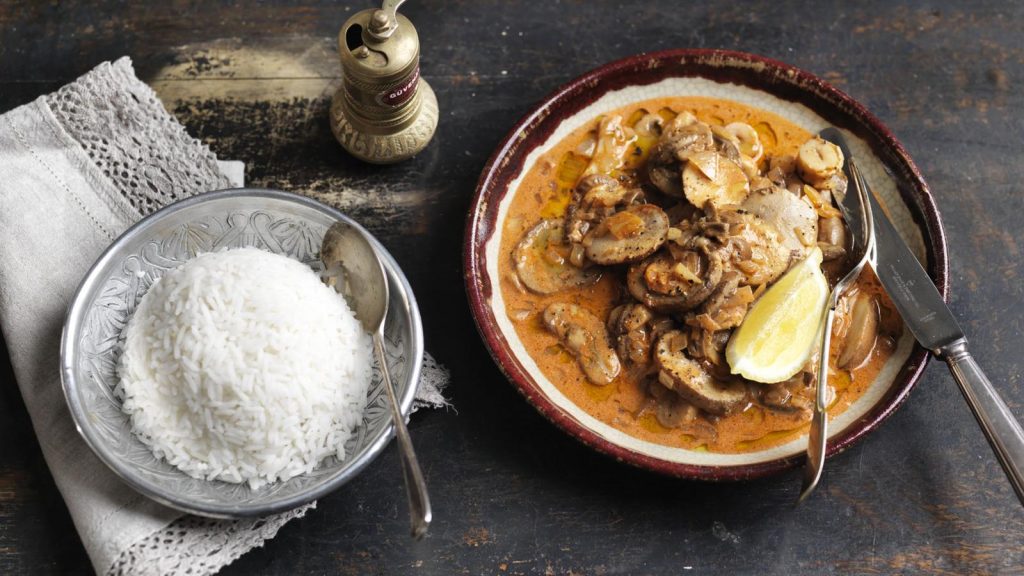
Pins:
<point x="856" y="212"/>
<point x="365" y="288"/>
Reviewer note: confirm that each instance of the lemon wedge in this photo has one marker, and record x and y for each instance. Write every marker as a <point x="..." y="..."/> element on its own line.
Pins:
<point x="779" y="333"/>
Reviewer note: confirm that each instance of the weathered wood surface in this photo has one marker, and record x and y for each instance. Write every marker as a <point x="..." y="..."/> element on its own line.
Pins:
<point x="513" y="495"/>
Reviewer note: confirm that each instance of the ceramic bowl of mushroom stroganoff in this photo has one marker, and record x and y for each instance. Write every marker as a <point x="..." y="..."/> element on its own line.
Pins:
<point x="630" y="233"/>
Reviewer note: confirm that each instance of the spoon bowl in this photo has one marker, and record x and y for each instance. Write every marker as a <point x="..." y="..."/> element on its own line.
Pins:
<point x="357" y="273"/>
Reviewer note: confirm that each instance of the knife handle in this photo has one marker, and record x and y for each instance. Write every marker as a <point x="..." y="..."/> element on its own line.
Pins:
<point x="1001" y="429"/>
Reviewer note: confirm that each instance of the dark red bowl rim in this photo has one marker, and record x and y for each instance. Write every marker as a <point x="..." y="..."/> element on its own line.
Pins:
<point x="782" y="81"/>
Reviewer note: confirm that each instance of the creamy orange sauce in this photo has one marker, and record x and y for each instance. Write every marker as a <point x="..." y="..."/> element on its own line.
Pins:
<point x="544" y="193"/>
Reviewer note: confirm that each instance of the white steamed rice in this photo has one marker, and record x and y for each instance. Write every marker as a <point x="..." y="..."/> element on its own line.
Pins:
<point x="242" y="366"/>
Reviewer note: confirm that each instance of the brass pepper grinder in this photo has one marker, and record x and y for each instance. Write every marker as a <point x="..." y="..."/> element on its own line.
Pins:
<point x="383" y="112"/>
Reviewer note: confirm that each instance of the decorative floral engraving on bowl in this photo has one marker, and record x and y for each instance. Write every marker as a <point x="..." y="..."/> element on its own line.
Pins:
<point x="145" y="254"/>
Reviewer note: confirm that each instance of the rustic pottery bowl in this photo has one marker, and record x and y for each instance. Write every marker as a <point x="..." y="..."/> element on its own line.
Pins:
<point x="752" y="80"/>
<point x="279" y="222"/>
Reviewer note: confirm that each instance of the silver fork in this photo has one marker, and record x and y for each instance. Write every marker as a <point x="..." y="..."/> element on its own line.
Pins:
<point x="856" y="211"/>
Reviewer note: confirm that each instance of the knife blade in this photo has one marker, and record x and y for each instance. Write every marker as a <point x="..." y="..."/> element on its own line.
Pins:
<point x="904" y="279"/>
<point x="933" y="325"/>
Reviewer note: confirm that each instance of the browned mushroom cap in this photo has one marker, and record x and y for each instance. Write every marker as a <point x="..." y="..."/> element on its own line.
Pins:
<point x="586" y="338"/>
<point x="722" y="293"/>
<point x="542" y="261"/>
<point x="665" y="172"/>
<point x="627" y="236"/>
<point x="683" y="136"/>
<point x="626" y="324"/>
<point x="727" y="306"/>
<point x="689" y="379"/>
<point x="594" y="197"/>
<point x="667" y="284"/>
<point x="634" y="327"/>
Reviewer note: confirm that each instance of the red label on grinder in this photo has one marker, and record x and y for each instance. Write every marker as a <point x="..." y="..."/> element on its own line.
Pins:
<point x="400" y="94"/>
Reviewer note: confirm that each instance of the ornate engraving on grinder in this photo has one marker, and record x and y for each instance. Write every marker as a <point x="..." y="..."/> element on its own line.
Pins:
<point x="384" y="110"/>
<point x="386" y="148"/>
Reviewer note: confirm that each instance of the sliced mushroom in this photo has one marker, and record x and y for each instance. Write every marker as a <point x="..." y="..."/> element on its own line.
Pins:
<point x="862" y="334"/>
<point x="760" y="183"/>
<point x="614" y="143"/>
<point x="818" y="160"/>
<point x="584" y="335"/>
<point x="777" y="396"/>
<point x="746" y="139"/>
<point x="712" y="178"/>
<point x="634" y="328"/>
<point x="756" y="248"/>
<point x="667" y="284"/>
<point x="542" y="261"/>
<point x="832" y="231"/>
<point x="627" y="236"/>
<point x="793" y="217"/>
<point x="672" y="411"/>
<point x="832" y="238"/>
<point x="649" y="126"/>
<point x="726" y="144"/>
<point x="681" y="138"/>
<point x="664" y="172"/>
<point x="684" y="135"/>
<point x="594" y="198"/>
<point x="725" y="290"/>
<point x="795" y="396"/>
<point x="835" y="185"/>
<point x="727" y="306"/>
<point x="781" y="168"/>
<point x="627" y="323"/>
<point x="675" y="412"/>
<point x="708" y="343"/>
<point x="691" y="381"/>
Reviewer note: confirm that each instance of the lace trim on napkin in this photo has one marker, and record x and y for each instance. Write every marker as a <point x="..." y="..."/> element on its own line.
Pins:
<point x="434" y="376"/>
<point x="199" y="546"/>
<point x="125" y="130"/>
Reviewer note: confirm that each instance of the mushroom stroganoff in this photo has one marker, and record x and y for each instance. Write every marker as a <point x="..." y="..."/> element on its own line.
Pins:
<point x="635" y="247"/>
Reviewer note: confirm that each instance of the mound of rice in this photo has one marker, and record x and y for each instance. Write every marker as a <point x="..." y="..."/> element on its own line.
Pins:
<point x="242" y="366"/>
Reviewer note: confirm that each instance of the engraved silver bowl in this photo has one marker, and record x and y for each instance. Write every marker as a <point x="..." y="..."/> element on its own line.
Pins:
<point x="280" y="222"/>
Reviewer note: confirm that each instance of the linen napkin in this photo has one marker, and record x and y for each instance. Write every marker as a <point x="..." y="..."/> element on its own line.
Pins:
<point x="77" y="167"/>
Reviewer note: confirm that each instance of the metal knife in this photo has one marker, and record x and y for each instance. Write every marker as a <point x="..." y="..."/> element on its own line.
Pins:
<point x="933" y="325"/>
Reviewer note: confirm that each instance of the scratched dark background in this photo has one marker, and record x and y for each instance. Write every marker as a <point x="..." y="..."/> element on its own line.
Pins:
<point x="512" y="494"/>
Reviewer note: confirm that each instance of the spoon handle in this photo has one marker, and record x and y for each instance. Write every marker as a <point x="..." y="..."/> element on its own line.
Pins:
<point x="819" y="421"/>
<point x="420" y="513"/>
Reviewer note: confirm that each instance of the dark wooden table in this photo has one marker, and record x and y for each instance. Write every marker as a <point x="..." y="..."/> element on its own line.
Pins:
<point x="513" y="495"/>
